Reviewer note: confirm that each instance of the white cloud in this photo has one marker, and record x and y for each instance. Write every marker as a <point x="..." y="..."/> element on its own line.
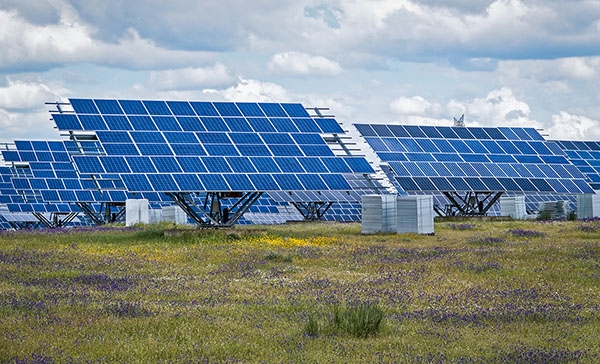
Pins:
<point x="26" y="45"/>
<point x="23" y="113"/>
<point x="499" y="108"/>
<point x="253" y="90"/>
<point x="298" y="63"/>
<point x="416" y="105"/>
<point x="31" y="125"/>
<point x="567" y="126"/>
<point x="26" y="95"/>
<point x="579" y="68"/>
<point x="189" y="78"/>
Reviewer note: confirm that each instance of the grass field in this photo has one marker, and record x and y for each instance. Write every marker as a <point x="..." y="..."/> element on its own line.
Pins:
<point x="475" y="292"/>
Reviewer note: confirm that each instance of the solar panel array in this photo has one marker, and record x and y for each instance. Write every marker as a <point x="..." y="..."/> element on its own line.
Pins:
<point x="162" y="146"/>
<point x="53" y="175"/>
<point x="462" y="159"/>
<point x="585" y="155"/>
<point x="121" y="149"/>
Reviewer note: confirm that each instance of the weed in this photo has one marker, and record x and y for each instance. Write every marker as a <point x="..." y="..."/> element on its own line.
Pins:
<point x="360" y="320"/>
<point x="520" y="233"/>
<point x="278" y="257"/>
<point x="463" y="226"/>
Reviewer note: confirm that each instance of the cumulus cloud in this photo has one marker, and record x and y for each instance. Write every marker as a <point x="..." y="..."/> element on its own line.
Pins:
<point x="30" y="125"/>
<point x="499" y="108"/>
<point x="189" y="78"/>
<point x="567" y="126"/>
<point x="44" y="46"/>
<point x="579" y="68"/>
<point x="416" y="105"/>
<point x="253" y="90"/>
<point x="26" y="95"/>
<point x="298" y="63"/>
<point x="23" y="113"/>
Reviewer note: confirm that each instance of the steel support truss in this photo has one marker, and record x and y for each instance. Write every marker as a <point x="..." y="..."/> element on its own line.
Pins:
<point x="469" y="204"/>
<point x="57" y="219"/>
<point x="312" y="210"/>
<point x="210" y="213"/>
<point x="109" y="212"/>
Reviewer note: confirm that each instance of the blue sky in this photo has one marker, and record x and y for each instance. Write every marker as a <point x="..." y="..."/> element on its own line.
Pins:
<point x="501" y="63"/>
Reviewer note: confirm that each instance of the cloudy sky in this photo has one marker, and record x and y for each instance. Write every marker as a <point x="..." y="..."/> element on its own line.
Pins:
<point x="501" y="63"/>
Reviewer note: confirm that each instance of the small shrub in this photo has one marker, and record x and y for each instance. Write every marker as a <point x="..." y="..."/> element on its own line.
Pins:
<point x="520" y="233"/>
<point x="361" y="320"/>
<point x="461" y="226"/>
<point x="544" y="215"/>
<point x="278" y="257"/>
<point x="126" y="309"/>
<point x="312" y="327"/>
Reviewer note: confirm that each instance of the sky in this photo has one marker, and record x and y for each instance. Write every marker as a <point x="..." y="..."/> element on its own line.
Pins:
<point x="529" y="63"/>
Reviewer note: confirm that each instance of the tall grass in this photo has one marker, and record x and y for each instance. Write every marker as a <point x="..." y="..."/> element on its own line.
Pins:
<point x="476" y="292"/>
<point x="360" y="320"/>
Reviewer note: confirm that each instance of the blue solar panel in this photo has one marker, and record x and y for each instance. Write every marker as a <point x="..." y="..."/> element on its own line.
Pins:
<point x="204" y="109"/>
<point x="166" y="123"/>
<point x="92" y="122"/>
<point x="250" y="109"/>
<point x="180" y="108"/>
<point x="140" y="164"/>
<point x="239" y="182"/>
<point x="227" y="109"/>
<point x="465" y="155"/>
<point x="115" y="122"/>
<point x="131" y="107"/>
<point x="306" y="125"/>
<point x="141" y="123"/>
<point x="263" y="182"/>
<point x="84" y="106"/>
<point x="188" y="182"/>
<point x="585" y="156"/>
<point x="190" y="123"/>
<point x="289" y="165"/>
<point x="157" y="107"/>
<point x="329" y="125"/>
<point x="238" y="124"/>
<point x="312" y="182"/>
<point x="245" y="144"/>
<point x="295" y="110"/>
<point x="163" y="182"/>
<point x="336" y="165"/>
<point x="109" y="107"/>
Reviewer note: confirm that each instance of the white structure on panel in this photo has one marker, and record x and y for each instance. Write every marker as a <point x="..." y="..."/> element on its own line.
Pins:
<point x="155" y="216"/>
<point x="514" y="207"/>
<point x="554" y="209"/>
<point x="379" y="214"/>
<point x="588" y="206"/>
<point x="136" y="211"/>
<point x="174" y="214"/>
<point x="415" y="214"/>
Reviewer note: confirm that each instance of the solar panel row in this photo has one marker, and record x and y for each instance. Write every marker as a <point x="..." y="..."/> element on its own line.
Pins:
<point x="462" y="159"/>
<point x="586" y="157"/>
<point x="220" y="146"/>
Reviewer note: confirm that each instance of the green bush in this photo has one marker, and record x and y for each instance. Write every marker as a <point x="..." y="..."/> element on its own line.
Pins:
<point x="359" y="320"/>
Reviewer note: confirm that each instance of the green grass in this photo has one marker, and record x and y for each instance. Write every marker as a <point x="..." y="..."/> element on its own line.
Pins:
<point x="482" y="292"/>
